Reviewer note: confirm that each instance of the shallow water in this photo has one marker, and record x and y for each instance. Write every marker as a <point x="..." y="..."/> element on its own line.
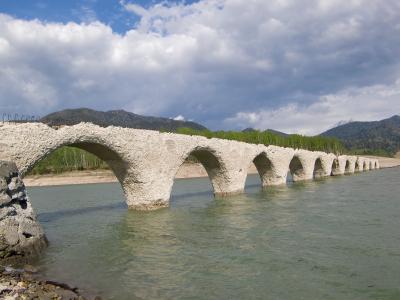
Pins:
<point x="336" y="238"/>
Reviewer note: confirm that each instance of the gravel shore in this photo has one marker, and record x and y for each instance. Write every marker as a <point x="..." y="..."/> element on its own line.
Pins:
<point x="18" y="284"/>
<point x="188" y="170"/>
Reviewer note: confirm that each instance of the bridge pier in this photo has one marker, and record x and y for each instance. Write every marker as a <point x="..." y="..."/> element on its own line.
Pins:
<point x="147" y="195"/>
<point x="350" y="165"/>
<point x="273" y="165"/>
<point x="377" y="166"/>
<point x="359" y="165"/>
<point x="339" y="165"/>
<point x="326" y="161"/>
<point x="230" y="182"/>
<point x="302" y="165"/>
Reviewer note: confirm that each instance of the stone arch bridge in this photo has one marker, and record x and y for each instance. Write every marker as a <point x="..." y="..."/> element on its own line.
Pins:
<point x="146" y="162"/>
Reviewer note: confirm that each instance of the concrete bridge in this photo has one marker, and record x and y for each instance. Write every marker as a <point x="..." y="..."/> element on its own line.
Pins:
<point x="146" y="162"/>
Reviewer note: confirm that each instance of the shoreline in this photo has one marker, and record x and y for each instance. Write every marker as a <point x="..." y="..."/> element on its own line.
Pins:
<point x="28" y="283"/>
<point x="187" y="170"/>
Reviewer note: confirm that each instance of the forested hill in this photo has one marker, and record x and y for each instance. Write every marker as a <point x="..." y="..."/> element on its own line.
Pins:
<point x="374" y="136"/>
<point x="117" y="118"/>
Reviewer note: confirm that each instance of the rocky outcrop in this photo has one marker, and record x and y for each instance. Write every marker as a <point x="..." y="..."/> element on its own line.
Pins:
<point x="21" y="235"/>
<point x="24" y="284"/>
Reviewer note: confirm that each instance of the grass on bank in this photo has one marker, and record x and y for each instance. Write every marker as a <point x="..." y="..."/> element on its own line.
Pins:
<point x="313" y="143"/>
<point x="66" y="159"/>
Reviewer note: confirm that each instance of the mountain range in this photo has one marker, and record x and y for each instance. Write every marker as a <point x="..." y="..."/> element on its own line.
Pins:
<point x="120" y="118"/>
<point x="375" y="135"/>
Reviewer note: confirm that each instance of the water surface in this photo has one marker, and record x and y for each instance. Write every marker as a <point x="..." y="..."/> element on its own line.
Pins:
<point x="336" y="238"/>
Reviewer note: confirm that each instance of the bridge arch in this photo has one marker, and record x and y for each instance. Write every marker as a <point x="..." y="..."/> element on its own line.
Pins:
<point x="94" y="144"/>
<point x="358" y="165"/>
<point x="347" y="167"/>
<point x="296" y="168"/>
<point x="318" y="171"/>
<point x="265" y="168"/>
<point x="212" y="163"/>
<point x="336" y="170"/>
<point x="102" y="151"/>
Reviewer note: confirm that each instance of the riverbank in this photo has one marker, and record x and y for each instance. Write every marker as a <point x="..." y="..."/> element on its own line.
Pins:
<point x="387" y="162"/>
<point x="188" y="170"/>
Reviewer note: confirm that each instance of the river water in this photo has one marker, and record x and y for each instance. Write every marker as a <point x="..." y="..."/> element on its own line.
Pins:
<point x="336" y="238"/>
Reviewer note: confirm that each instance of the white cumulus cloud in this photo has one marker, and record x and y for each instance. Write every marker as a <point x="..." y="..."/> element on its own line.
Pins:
<point x="207" y="61"/>
<point x="363" y="104"/>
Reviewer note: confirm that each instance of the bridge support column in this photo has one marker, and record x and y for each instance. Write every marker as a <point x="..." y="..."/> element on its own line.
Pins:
<point x="229" y="183"/>
<point x="339" y="165"/>
<point x="351" y="165"/>
<point x="359" y="167"/>
<point x="326" y="165"/>
<point x="302" y="165"/>
<point x="280" y="159"/>
<point x="147" y="196"/>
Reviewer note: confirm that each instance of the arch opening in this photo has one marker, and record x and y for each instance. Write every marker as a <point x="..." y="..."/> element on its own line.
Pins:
<point x="260" y="171"/>
<point x="365" y="166"/>
<point x="318" y="169"/>
<point x="89" y="156"/>
<point x="198" y="173"/>
<point x="376" y="165"/>
<point x="335" y="167"/>
<point x="80" y="156"/>
<point x="358" y="166"/>
<point x="347" y="167"/>
<point x="209" y="161"/>
<point x="296" y="169"/>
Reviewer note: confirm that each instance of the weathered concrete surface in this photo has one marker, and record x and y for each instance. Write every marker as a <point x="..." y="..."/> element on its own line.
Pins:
<point x="359" y="166"/>
<point x="273" y="164"/>
<point x="339" y="165"/>
<point x="20" y="233"/>
<point x="146" y="162"/>
<point x="303" y="164"/>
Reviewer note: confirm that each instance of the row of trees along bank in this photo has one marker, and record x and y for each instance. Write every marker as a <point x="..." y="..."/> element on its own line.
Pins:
<point x="313" y="143"/>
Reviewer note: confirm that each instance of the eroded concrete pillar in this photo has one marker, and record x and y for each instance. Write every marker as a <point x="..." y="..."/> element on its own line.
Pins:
<point x="359" y="164"/>
<point x="339" y="165"/>
<point x="350" y="165"/>
<point x="302" y="165"/>
<point x="377" y="165"/>
<point x="366" y="164"/>
<point x="149" y="195"/>
<point x="326" y="161"/>
<point x="273" y="165"/>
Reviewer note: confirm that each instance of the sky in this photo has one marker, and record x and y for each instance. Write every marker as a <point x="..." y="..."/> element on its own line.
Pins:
<point x="299" y="66"/>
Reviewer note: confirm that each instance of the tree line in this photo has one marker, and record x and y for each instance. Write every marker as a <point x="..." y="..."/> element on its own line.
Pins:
<point x="296" y="141"/>
<point x="67" y="159"/>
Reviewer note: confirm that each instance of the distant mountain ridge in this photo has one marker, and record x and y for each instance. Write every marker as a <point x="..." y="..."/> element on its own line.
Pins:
<point x="120" y="118"/>
<point x="384" y="134"/>
<point x="267" y="130"/>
